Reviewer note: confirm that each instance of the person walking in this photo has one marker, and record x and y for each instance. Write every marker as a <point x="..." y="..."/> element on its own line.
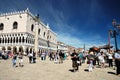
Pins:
<point x="56" y="57"/>
<point x="20" y="57"/>
<point x="61" y="57"/>
<point x="75" y="58"/>
<point x="91" y="58"/>
<point x="110" y="58"/>
<point x="80" y="58"/>
<point x="14" y="59"/>
<point x="43" y="56"/>
<point x="117" y="62"/>
<point x="102" y="59"/>
<point x="34" y="57"/>
<point x="30" y="55"/>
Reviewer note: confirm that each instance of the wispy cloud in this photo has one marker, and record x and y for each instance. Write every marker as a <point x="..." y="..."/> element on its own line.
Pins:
<point x="78" y="42"/>
<point x="70" y="40"/>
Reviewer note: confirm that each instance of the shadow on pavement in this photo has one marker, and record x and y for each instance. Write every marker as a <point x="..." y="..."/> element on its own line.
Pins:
<point x="111" y="73"/>
<point x="71" y="70"/>
<point x="86" y="70"/>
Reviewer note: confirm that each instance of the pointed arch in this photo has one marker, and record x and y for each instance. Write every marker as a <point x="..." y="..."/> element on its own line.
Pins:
<point x="23" y="39"/>
<point x="3" y="40"/>
<point x="0" y="40"/>
<point x="8" y="40"/>
<point x="16" y="39"/>
<point x="8" y="48"/>
<point x="32" y="27"/>
<point x="20" y="49"/>
<point x="14" y="49"/>
<point x="1" y="26"/>
<point x="15" y="25"/>
<point x="20" y="39"/>
<point x="11" y="40"/>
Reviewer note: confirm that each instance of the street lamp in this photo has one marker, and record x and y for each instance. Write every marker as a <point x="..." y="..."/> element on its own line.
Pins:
<point x="115" y="32"/>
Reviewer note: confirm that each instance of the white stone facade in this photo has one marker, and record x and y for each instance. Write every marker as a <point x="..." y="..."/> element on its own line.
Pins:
<point x="18" y="32"/>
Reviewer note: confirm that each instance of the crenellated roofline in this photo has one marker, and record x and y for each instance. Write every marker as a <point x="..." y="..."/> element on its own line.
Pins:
<point x="16" y="12"/>
<point x="27" y="11"/>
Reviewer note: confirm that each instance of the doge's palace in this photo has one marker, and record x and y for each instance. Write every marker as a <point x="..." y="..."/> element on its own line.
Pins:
<point x="22" y="31"/>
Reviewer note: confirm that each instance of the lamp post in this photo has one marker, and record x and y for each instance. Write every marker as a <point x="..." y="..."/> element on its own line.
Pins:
<point x="114" y="32"/>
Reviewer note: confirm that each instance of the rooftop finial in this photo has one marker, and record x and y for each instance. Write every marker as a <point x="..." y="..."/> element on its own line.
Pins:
<point x="48" y="25"/>
<point x="27" y="10"/>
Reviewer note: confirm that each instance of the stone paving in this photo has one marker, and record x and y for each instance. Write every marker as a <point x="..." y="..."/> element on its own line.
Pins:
<point x="47" y="70"/>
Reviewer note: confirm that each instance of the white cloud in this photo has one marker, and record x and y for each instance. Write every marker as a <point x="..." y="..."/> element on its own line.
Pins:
<point x="70" y="40"/>
<point x="77" y="42"/>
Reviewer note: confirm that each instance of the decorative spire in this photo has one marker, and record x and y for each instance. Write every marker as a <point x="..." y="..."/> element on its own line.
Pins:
<point x="27" y="10"/>
<point x="48" y="25"/>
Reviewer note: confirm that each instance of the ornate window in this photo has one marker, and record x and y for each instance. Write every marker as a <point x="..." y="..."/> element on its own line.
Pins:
<point x="1" y="26"/>
<point x="15" y="25"/>
<point x="0" y="40"/>
<point x="38" y="31"/>
<point x="32" y="27"/>
<point x="44" y="34"/>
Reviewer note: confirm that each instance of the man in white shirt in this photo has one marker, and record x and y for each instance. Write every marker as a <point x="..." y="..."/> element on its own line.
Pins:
<point x="110" y="58"/>
<point x="117" y="62"/>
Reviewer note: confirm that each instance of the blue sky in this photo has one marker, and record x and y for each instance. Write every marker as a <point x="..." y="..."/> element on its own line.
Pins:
<point x="76" y="22"/>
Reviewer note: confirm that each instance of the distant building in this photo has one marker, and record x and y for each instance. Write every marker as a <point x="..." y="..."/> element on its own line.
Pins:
<point x="80" y="49"/>
<point x="62" y="46"/>
<point x="71" y="48"/>
<point x="22" y="31"/>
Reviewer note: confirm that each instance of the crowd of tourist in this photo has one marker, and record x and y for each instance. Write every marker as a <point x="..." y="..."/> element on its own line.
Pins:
<point x="98" y="59"/>
<point x="92" y="58"/>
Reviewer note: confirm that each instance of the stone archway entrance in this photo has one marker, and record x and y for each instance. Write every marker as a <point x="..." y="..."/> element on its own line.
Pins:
<point x="3" y="48"/>
<point x="27" y="50"/>
<point x="20" y="49"/>
<point x="8" y="48"/>
<point x="30" y="50"/>
<point x="14" y="49"/>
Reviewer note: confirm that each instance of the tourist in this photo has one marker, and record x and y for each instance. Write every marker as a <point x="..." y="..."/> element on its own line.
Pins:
<point x="51" y="54"/>
<point x="84" y="57"/>
<point x="20" y="57"/>
<point x="117" y="62"/>
<point x="30" y="55"/>
<point x="56" y="57"/>
<point x="14" y="60"/>
<point x="101" y="59"/>
<point x="43" y="55"/>
<point x="75" y="58"/>
<point x="81" y="58"/>
<point x="91" y="58"/>
<point x="4" y="55"/>
<point x="34" y="57"/>
<point x="61" y="57"/>
<point x="110" y="58"/>
<point x="97" y="58"/>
